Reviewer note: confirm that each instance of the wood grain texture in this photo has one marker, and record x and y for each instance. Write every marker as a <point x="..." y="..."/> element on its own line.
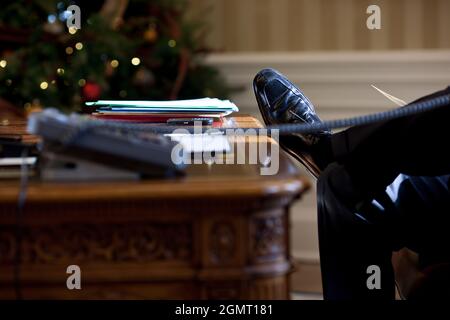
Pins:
<point x="214" y="234"/>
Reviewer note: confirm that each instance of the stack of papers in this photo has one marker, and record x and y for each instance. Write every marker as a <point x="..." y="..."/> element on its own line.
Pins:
<point x="160" y="111"/>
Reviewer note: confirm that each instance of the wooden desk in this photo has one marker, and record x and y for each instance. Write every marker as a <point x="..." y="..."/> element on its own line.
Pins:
<point x="220" y="232"/>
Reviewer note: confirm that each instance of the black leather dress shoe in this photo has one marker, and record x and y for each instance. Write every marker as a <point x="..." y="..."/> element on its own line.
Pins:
<point x="280" y="101"/>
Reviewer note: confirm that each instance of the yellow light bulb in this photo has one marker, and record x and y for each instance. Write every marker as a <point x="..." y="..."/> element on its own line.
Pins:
<point x="69" y="50"/>
<point x="172" y="43"/>
<point x="44" y="85"/>
<point x="81" y="82"/>
<point x="114" y="63"/>
<point x="79" y="46"/>
<point x="3" y="63"/>
<point x="135" y="61"/>
<point x="72" y="30"/>
<point x="60" y="71"/>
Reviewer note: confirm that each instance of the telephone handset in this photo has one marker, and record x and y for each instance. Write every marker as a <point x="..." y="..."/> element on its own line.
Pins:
<point x="83" y="139"/>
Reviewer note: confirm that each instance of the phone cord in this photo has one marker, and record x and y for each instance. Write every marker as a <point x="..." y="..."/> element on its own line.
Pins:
<point x="289" y="128"/>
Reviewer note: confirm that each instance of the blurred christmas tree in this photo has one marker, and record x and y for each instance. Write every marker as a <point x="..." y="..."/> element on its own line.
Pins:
<point x="125" y="49"/>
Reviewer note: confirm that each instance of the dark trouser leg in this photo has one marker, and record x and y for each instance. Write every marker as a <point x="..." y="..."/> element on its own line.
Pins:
<point x="424" y="206"/>
<point x="417" y="145"/>
<point x="370" y="158"/>
<point x="426" y="232"/>
<point x="416" y="216"/>
<point x="349" y="245"/>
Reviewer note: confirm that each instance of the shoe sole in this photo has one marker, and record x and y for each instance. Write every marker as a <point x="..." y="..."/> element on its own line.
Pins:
<point x="310" y="166"/>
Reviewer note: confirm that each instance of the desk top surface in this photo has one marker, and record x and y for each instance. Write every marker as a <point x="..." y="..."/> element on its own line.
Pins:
<point x="200" y="180"/>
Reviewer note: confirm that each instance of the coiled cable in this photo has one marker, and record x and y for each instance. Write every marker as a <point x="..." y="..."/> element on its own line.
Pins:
<point x="289" y="128"/>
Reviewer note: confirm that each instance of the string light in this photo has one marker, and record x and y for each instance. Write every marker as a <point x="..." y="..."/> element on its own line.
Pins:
<point x="72" y="30"/>
<point x="3" y="63"/>
<point x="172" y="43"/>
<point x="69" y="50"/>
<point x="81" y="82"/>
<point x="8" y="82"/>
<point x="114" y="63"/>
<point x="60" y="71"/>
<point x="51" y="18"/>
<point x="135" y="61"/>
<point x="44" y="85"/>
<point x="79" y="46"/>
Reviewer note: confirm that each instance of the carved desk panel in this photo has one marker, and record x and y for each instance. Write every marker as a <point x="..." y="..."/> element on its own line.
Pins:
<point x="220" y="232"/>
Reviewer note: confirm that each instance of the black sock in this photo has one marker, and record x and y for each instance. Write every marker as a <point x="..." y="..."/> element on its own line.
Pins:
<point x="322" y="151"/>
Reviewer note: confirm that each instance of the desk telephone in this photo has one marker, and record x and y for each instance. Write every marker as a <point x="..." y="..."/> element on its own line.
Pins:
<point x="76" y="147"/>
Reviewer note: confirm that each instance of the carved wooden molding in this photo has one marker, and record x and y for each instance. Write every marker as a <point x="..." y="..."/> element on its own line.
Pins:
<point x="94" y="243"/>
<point x="269" y="237"/>
<point x="223" y="242"/>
